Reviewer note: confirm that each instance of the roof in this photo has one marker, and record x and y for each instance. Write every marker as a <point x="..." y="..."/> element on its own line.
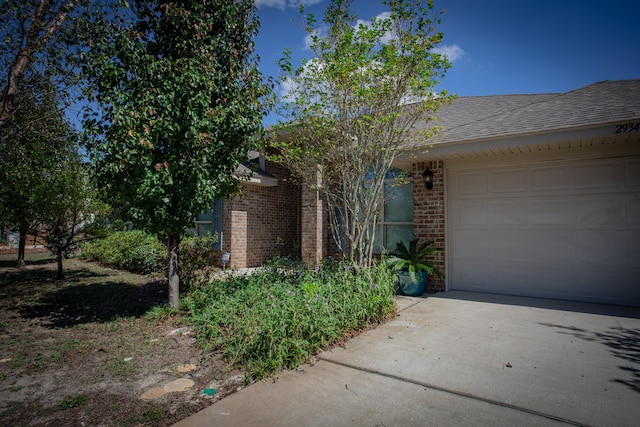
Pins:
<point x="471" y="118"/>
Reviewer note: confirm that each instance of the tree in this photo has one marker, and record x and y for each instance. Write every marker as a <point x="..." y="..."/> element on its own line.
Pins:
<point x="71" y="211"/>
<point x="349" y="110"/>
<point x="45" y="37"/>
<point x="182" y="101"/>
<point x="35" y="140"/>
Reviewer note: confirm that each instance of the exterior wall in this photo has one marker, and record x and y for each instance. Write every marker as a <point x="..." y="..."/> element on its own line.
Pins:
<point x="315" y="226"/>
<point x="9" y="242"/>
<point x="429" y="215"/>
<point x="263" y="222"/>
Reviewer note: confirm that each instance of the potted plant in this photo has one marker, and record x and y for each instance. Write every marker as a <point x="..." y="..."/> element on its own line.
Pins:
<point x="413" y="266"/>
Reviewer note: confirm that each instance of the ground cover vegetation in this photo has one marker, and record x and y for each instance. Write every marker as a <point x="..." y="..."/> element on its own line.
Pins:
<point x="280" y="317"/>
<point x="86" y="348"/>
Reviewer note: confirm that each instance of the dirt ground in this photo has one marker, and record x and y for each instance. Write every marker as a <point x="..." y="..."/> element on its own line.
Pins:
<point x="82" y="352"/>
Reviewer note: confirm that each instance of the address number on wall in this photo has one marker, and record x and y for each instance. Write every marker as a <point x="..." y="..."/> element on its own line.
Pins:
<point x="628" y="128"/>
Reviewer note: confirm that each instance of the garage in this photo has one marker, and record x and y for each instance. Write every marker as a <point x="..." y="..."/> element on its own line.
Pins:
<point x="564" y="229"/>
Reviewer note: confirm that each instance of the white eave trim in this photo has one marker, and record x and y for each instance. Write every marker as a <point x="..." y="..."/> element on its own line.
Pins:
<point x="545" y="141"/>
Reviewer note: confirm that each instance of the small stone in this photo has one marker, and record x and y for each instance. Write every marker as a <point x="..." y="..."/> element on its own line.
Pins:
<point x="5" y="360"/>
<point x="187" y="367"/>
<point x="180" y="331"/>
<point x="153" y="393"/>
<point x="181" y="384"/>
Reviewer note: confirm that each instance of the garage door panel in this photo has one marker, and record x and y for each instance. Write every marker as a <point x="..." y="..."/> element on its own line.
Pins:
<point x="509" y="181"/>
<point x="568" y="230"/>
<point x="473" y="276"/>
<point x="475" y="213"/>
<point x="552" y="211"/>
<point x="633" y="249"/>
<point x="550" y="246"/>
<point x="472" y="183"/>
<point x="551" y="178"/>
<point x="470" y="244"/>
<point x="601" y="247"/>
<point x="508" y="213"/>
<point x="602" y="210"/>
<point x="633" y="209"/>
<point x="551" y="282"/>
<point x="632" y="173"/>
<point x="607" y="286"/>
<point x="508" y="279"/>
<point x="507" y="245"/>
<point x="596" y="175"/>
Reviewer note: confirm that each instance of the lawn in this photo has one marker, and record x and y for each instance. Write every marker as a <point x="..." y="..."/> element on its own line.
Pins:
<point x="99" y="348"/>
<point x="83" y="352"/>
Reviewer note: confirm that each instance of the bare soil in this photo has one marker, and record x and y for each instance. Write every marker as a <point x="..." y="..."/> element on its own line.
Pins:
<point x="82" y="351"/>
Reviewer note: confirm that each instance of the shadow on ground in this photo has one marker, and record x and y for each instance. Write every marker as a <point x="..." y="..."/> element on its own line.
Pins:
<point x="89" y="293"/>
<point x="97" y="302"/>
<point x="624" y="343"/>
<point x="11" y="263"/>
<point x="550" y="304"/>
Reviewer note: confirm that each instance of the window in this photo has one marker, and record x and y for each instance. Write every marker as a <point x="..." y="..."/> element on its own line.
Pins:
<point x="210" y="223"/>
<point x="396" y="219"/>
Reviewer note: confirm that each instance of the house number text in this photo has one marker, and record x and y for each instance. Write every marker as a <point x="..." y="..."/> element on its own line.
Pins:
<point x="628" y="127"/>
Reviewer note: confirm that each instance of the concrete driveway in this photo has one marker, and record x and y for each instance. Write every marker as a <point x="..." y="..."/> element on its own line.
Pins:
<point x="460" y="358"/>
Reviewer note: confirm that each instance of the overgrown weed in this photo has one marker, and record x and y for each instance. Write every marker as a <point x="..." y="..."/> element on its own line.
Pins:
<point x="279" y="317"/>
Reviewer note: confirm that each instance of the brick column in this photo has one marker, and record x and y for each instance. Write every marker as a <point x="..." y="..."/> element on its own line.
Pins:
<point x="429" y="214"/>
<point x="313" y="227"/>
<point x="238" y="239"/>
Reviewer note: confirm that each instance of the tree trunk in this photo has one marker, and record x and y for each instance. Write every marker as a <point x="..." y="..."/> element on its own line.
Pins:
<point x="60" y="275"/>
<point x="174" y="280"/>
<point x="21" y="245"/>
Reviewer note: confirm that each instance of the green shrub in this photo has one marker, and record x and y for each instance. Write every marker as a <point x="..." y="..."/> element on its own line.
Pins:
<point x="194" y="256"/>
<point x="279" y="318"/>
<point x="134" y="250"/>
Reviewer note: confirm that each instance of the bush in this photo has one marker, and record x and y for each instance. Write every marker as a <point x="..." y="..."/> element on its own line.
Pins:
<point x="194" y="256"/>
<point x="134" y="251"/>
<point x="279" y="318"/>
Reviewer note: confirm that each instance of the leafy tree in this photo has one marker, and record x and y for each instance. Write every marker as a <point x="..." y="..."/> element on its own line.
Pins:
<point x="182" y="101"/>
<point x="71" y="210"/>
<point x="35" y="139"/>
<point x="349" y="110"/>
<point x="36" y="35"/>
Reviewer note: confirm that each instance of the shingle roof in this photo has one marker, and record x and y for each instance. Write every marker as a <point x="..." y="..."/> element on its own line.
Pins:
<point x="470" y="118"/>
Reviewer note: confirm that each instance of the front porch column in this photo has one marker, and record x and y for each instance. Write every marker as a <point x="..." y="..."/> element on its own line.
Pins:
<point x="313" y="227"/>
<point x="429" y="214"/>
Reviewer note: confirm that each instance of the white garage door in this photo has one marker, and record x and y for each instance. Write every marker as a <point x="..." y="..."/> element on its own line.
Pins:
<point x="566" y="230"/>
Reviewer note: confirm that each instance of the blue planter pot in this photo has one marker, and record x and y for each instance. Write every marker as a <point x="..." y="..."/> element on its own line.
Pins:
<point x="412" y="284"/>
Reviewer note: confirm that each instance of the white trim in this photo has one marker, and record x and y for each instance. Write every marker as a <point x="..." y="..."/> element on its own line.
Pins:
<point x="584" y="138"/>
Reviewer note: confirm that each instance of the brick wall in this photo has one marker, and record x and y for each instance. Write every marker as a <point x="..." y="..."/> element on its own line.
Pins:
<point x="429" y="214"/>
<point x="263" y="221"/>
<point x="315" y="225"/>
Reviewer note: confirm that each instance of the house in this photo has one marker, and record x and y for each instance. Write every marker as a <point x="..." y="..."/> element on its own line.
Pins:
<point x="533" y="195"/>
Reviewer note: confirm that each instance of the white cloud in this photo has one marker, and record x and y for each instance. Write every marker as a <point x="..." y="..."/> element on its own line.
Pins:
<point x="281" y="4"/>
<point x="289" y="88"/>
<point x="384" y="15"/>
<point x="452" y="52"/>
<point x="320" y="32"/>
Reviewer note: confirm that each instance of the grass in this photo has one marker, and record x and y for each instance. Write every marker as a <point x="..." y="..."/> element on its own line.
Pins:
<point x="279" y="318"/>
<point x="102" y="327"/>
<point x="72" y="402"/>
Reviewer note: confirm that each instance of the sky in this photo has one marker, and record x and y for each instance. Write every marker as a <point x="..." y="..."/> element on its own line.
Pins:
<point x="496" y="46"/>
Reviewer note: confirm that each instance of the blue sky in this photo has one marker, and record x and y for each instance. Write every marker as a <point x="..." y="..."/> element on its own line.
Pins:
<point x="497" y="46"/>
